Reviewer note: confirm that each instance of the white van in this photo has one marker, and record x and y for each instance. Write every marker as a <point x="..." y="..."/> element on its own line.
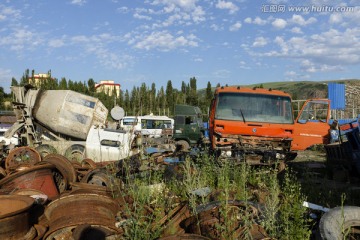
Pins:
<point x="148" y="125"/>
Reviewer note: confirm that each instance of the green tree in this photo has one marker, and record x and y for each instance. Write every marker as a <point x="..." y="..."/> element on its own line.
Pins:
<point x="152" y="98"/>
<point x="14" y="82"/>
<point x="25" y="78"/>
<point x="2" y="98"/>
<point x="169" y="97"/>
<point x="91" y="85"/>
<point x="127" y="105"/>
<point x="192" y="93"/>
<point x="63" y="84"/>
<point x="161" y="101"/>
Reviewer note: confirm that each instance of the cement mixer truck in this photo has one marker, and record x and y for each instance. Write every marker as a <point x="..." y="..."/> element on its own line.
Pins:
<point x="68" y="123"/>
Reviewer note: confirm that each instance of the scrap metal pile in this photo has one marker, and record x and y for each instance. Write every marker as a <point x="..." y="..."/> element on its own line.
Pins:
<point x="51" y="197"/>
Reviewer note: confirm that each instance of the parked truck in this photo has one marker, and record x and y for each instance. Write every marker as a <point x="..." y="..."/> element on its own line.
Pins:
<point x="68" y="123"/>
<point x="189" y="130"/>
<point x="257" y="125"/>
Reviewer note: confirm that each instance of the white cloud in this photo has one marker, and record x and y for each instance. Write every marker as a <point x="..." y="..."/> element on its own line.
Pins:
<point x="198" y="14"/>
<point x="215" y="27"/>
<point x="243" y="65"/>
<point x="141" y="17"/>
<point x="259" y="21"/>
<point x="277" y="1"/>
<point x="260" y="42"/>
<point x="21" y="38"/>
<point x="56" y="43"/>
<point x="248" y="20"/>
<point x="5" y="76"/>
<point x="335" y="18"/>
<point x="235" y="27"/>
<point x="328" y="51"/>
<point x="221" y="73"/>
<point x="228" y="6"/>
<point x="9" y="13"/>
<point x="123" y="10"/>
<point x="164" y="41"/>
<point x="181" y="12"/>
<point x="298" y="19"/>
<point x="290" y="74"/>
<point x="296" y="30"/>
<point x="279" y="23"/>
<point x="78" y="2"/>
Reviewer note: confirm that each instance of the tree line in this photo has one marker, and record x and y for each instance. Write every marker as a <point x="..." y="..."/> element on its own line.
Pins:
<point x="141" y="100"/>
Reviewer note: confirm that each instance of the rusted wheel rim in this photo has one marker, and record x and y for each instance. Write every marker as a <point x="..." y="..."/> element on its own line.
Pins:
<point x="21" y="155"/>
<point x="87" y="162"/>
<point x="99" y="177"/>
<point x="64" y="166"/>
<point x="73" y="210"/>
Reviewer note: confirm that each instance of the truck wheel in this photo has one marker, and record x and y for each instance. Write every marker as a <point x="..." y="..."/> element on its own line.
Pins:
<point x="75" y="153"/>
<point x="45" y="149"/>
<point x="183" y="145"/>
<point x="338" y="223"/>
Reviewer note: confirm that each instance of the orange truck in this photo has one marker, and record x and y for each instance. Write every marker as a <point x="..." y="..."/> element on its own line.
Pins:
<point x="257" y="125"/>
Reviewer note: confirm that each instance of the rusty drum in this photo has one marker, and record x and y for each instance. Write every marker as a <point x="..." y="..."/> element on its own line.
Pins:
<point x="70" y="211"/>
<point x="14" y="216"/>
<point x="38" y="177"/>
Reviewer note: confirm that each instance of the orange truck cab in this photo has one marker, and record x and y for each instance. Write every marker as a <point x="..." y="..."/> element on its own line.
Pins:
<point x="257" y="125"/>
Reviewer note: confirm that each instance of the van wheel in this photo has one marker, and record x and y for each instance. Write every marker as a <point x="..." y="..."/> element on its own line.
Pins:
<point x="183" y="145"/>
<point x="75" y="153"/>
<point x="340" y="222"/>
<point x="45" y="149"/>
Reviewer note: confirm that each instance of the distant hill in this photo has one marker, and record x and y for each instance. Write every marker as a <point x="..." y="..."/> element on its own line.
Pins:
<point x="306" y="89"/>
<point x="300" y="90"/>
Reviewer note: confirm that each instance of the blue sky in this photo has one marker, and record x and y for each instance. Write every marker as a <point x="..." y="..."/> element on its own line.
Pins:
<point x="235" y="42"/>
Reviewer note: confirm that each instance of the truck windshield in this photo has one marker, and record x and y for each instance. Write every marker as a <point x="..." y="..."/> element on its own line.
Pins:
<point x="254" y="108"/>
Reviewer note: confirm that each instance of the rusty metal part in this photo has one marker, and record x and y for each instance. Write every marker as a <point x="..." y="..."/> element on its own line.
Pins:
<point x="99" y="177"/>
<point x="86" y="231"/>
<point x="81" y="187"/>
<point x="40" y="231"/>
<point x="89" y="163"/>
<point x="14" y="216"/>
<point x="39" y="177"/>
<point x="77" y="209"/>
<point x="64" y="166"/>
<point x="215" y="213"/>
<point x="21" y="155"/>
<point x="2" y="173"/>
<point x="28" y="192"/>
<point x="173" y="219"/>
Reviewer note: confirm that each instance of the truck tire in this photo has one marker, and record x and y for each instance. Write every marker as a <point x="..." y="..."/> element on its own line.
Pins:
<point x="335" y="223"/>
<point x="75" y="153"/>
<point x="183" y="145"/>
<point x="45" y="149"/>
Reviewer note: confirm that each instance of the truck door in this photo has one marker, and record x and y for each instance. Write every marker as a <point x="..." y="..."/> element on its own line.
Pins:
<point x="311" y="126"/>
<point x="107" y="145"/>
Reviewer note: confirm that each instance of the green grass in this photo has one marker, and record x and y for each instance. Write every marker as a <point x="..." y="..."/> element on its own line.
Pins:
<point x="281" y="213"/>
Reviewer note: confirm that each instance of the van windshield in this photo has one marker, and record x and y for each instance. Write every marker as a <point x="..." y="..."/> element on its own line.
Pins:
<point x="129" y="121"/>
<point x="254" y="108"/>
